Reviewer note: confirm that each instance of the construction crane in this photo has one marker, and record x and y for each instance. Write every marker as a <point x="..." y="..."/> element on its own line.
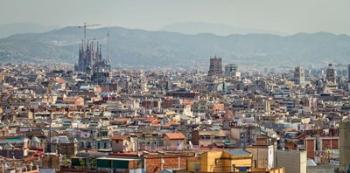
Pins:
<point x="85" y="26"/>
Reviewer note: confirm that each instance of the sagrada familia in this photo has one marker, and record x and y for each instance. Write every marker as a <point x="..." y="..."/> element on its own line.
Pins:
<point x="92" y="63"/>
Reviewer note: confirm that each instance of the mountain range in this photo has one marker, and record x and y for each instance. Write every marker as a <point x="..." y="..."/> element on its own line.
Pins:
<point x="214" y="28"/>
<point x="20" y="28"/>
<point x="141" y="48"/>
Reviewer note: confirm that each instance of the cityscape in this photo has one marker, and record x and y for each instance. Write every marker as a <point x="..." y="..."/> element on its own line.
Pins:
<point x="97" y="103"/>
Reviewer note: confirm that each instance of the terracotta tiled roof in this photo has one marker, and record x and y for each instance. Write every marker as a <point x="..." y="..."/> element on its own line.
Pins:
<point x="175" y="136"/>
<point x="118" y="137"/>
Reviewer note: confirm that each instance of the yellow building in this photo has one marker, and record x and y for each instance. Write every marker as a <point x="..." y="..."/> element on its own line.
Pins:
<point x="236" y="160"/>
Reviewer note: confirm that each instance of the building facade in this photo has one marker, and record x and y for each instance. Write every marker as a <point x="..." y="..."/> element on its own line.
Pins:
<point x="299" y="75"/>
<point x="215" y="67"/>
<point x="91" y="62"/>
<point x="331" y="74"/>
<point x="231" y="69"/>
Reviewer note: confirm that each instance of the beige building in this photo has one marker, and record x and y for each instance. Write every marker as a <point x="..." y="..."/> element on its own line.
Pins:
<point x="293" y="161"/>
<point x="263" y="156"/>
<point x="208" y="138"/>
<point x="226" y="161"/>
<point x="174" y="141"/>
<point x="123" y="144"/>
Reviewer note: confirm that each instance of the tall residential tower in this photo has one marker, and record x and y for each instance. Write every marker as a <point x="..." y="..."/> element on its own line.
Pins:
<point x="331" y="74"/>
<point x="215" y="67"/>
<point x="299" y="75"/>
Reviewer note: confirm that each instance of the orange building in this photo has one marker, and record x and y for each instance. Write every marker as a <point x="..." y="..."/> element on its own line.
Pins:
<point x="77" y="101"/>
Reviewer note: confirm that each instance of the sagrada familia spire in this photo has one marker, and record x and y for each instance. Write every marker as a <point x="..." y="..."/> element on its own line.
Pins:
<point x="91" y="61"/>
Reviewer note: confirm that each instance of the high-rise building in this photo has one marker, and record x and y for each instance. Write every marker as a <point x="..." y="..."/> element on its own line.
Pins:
<point x="215" y="67"/>
<point x="299" y="75"/>
<point x="231" y="69"/>
<point x="331" y="74"/>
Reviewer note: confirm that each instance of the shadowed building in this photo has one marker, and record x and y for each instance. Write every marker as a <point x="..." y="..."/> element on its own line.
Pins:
<point x="331" y="74"/>
<point x="299" y="75"/>
<point x="231" y="69"/>
<point x="89" y="55"/>
<point x="344" y="138"/>
<point x="215" y="67"/>
<point x="91" y="62"/>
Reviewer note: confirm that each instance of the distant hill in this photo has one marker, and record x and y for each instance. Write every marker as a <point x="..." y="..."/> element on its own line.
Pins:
<point x="20" y="28"/>
<point x="214" y="28"/>
<point x="139" y="48"/>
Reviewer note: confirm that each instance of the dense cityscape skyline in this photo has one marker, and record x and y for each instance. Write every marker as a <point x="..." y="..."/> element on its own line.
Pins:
<point x="240" y="89"/>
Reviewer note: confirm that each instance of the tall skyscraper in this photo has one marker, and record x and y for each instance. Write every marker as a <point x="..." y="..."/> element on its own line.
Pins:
<point x="331" y="74"/>
<point x="231" y="69"/>
<point x="299" y="75"/>
<point x="215" y="67"/>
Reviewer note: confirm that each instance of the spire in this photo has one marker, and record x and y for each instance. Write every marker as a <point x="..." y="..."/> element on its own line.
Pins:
<point x="82" y="45"/>
<point x="90" y="57"/>
<point x="100" y="53"/>
<point x="98" y="48"/>
<point x="223" y="86"/>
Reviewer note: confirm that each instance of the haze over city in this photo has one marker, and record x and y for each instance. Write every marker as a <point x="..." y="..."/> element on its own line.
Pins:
<point x="273" y="16"/>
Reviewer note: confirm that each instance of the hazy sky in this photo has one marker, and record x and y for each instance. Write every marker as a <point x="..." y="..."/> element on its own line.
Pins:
<point x="287" y="16"/>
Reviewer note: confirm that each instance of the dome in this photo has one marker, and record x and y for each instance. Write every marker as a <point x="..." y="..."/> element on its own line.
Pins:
<point x="35" y="140"/>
